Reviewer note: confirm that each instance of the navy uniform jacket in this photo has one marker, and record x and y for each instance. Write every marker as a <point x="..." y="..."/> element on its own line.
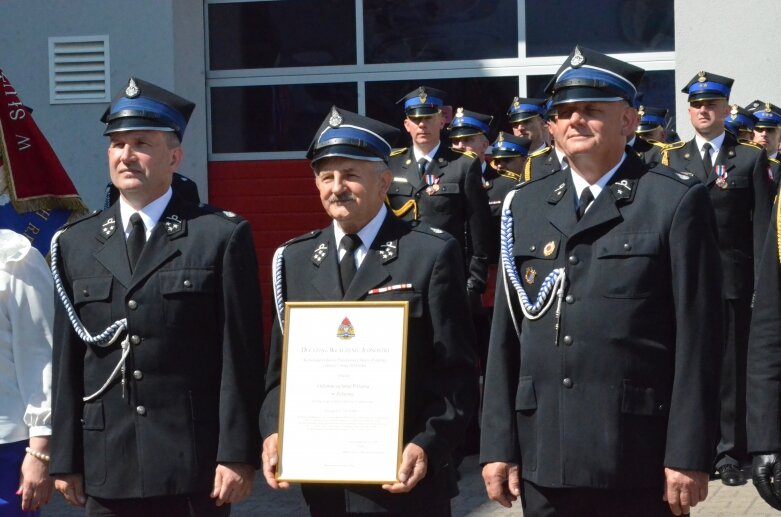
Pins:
<point x="441" y="376"/>
<point x="742" y="209"/>
<point x="647" y="151"/>
<point x="542" y="163"/>
<point x="195" y="369"/>
<point x="496" y="186"/>
<point x="459" y="206"/>
<point x="630" y="381"/>
<point x="763" y="385"/>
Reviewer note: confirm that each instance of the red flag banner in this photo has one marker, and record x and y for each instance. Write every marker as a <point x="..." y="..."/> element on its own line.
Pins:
<point x="34" y="176"/>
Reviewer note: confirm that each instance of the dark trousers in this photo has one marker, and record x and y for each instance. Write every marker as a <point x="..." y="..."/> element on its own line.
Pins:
<point x="731" y="448"/>
<point x="188" y="505"/>
<point x="540" y="501"/>
<point x="436" y="510"/>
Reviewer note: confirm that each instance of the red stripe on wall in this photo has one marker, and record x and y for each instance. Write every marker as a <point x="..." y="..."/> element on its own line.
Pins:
<point x="280" y="201"/>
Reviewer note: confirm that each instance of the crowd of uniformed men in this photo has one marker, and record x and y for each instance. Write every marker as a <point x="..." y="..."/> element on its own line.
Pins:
<point x="624" y="269"/>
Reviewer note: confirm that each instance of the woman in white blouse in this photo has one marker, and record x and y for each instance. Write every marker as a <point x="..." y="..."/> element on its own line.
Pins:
<point x="26" y="312"/>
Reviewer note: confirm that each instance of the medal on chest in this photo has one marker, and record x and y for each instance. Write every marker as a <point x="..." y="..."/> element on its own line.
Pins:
<point x="721" y="176"/>
<point x="433" y="184"/>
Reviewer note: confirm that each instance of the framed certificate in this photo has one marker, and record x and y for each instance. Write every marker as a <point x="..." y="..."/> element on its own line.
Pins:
<point x="341" y="414"/>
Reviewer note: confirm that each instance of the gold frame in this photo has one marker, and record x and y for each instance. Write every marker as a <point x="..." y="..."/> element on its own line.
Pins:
<point x="404" y="305"/>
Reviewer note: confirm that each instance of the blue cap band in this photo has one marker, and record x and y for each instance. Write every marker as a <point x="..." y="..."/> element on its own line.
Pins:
<point x="709" y="86"/>
<point x="525" y="108"/>
<point x="768" y="116"/>
<point x="592" y="74"/>
<point x="652" y="119"/>
<point x="353" y="136"/>
<point x="151" y="109"/>
<point x="469" y="121"/>
<point x="430" y="101"/>
<point x="510" y="146"/>
<point x="740" y="120"/>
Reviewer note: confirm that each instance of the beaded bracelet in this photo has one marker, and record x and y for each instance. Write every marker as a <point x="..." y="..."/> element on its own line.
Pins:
<point x="35" y="454"/>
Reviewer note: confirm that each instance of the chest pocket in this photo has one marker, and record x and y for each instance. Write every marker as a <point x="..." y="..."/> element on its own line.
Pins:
<point x="399" y="188"/>
<point x="629" y="264"/>
<point x="92" y="300"/>
<point x="737" y="182"/>
<point x="535" y="259"/>
<point x="188" y="296"/>
<point x="415" y="300"/>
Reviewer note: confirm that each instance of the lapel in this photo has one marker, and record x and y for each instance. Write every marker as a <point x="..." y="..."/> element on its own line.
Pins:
<point x="562" y="198"/>
<point x="726" y="153"/>
<point x="162" y="245"/>
<point x="384" y="249"/>
<point x="326" y="260"/>
<point x="113" y="253"/>
<point x="694" y="161"/>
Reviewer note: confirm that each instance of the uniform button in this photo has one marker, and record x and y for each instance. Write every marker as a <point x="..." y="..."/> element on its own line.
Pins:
<point x="135" y="339"/>
<point x="567" y="382"/>
<point x="141" y="410"/>
<point x="187" y="283"/>
<point x="569" y="299"/>
<point x="85" y="293"/>
<point x="567" y="340"/>
<point x="532" y="248"/>
<point x="627" y="246"/>
<point x="132" y="304"/>
<point x="138" y="375"/>
<point x="573" y="259"/>
<point x="417" y="195"/>
<point x="661" y="407"/>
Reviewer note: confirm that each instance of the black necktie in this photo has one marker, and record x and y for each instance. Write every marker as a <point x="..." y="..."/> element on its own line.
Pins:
<point x="422" y="164"/>
<point x="136" y="240"/>
<point x="706" y="159"/>
<point x="350" y="243"/>
<point x="586" y="197"/>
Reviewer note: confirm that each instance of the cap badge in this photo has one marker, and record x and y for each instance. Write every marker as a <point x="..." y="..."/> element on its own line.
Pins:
<point x="755" y="105"/>
<point x="701" y="77"/>
<point x="460" y="112"/>
<point x="501" y="137"/>
<point x="734" y="110"/>
<point x="422" y="95"/>
<point x="768" y="109"/>
<point x="641" y="110"/>
<point x="530" y="275"/>
<point x="577" y="58"/>
<point x="516" y="103"/>
<point x="549" y="249"/>
<point x="132" y="90"/>
<point x="336" y="119"/>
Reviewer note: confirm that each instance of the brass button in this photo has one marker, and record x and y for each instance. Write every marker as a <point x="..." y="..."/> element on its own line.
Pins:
<point x="627" y="246"/>
<point x="138" y="375"/>
<point x="567" y="340"/>
<point x="567" y="382"/>
<point x="187" y="283"/>
<point x="141" y="410"/>
<point x="135" y="339"/>
<point x="132" y="305"/>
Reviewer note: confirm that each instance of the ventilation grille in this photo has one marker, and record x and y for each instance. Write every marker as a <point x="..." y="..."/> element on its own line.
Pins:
<point x="78" y="70"/>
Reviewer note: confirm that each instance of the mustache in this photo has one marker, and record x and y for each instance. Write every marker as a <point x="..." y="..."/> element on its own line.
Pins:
<point x="341" y="199"/>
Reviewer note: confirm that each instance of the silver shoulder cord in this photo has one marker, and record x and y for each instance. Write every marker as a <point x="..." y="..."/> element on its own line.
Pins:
<point x="277" y="264"/>
<point x="105" y="339"/>
<point x="554" y="282"/>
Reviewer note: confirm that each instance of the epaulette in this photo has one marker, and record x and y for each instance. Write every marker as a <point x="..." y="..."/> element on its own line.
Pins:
<point x="395" y="152"/>
<point x="531" y="180"/>
<point x="466" y="152"/>
<point x="430" y="230"/>
<point x="750" y="144"/>
<point x="302" y="238"/>
<point x="225" y="214"/>
<point x="774" y="160"/>
<point x="657" y="143"/>
<point x="674" y="145"/>
<point x="81" y="218"/>
<point x="540" y="152"/>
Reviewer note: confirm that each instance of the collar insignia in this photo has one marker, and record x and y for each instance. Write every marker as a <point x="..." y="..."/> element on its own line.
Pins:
<point x="684" y="175"/>
<point x="132" y="91"/>
<point x="622" y="189"/>
<point x="320" y="253"/>
<point x="109" y="227"/>
<point x="173" y="224"/>
<point x="336" y="119"/>
<point x="388" y="251"/>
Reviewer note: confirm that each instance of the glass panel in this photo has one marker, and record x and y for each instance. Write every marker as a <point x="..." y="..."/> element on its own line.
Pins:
<point x="489" y="95"/>
<point x="247" y="119"/>
<point x="281" y="34"/>
<point x="439" y="30"/>
<point x="554" y="27"/>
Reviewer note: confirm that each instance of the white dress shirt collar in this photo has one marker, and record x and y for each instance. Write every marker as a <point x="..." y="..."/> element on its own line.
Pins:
<point x="367" y="234"/>
<point x="596" y="188"/>
<point x="429" y="156"/>
<point x="150" y="214"/>
<point x="716" y="144"/>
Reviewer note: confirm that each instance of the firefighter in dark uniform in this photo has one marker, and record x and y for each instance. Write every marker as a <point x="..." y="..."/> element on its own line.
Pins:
<point x="651" y="127"/>
<point x="527" y="116"/>
<point x="389" y="260"/>
<point x="740" y="122"/>
<point x="441" y="186"/>
<point x="600" y="393"/>
<point x="736" y="176"/>
<point x="763" y="377"/>
<point x="767" y="131"/>
<point x="158" y="356"/>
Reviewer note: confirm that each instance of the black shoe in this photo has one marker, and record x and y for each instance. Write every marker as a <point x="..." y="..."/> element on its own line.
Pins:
<point x="731" y="475"/>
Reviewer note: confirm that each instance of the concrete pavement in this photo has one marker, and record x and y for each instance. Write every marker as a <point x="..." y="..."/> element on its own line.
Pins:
<point x="722" y="501"/>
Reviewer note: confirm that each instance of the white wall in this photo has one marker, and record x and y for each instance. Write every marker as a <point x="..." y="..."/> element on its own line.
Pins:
<point x="727" y="38"/>
<point x="161" y="41"/>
